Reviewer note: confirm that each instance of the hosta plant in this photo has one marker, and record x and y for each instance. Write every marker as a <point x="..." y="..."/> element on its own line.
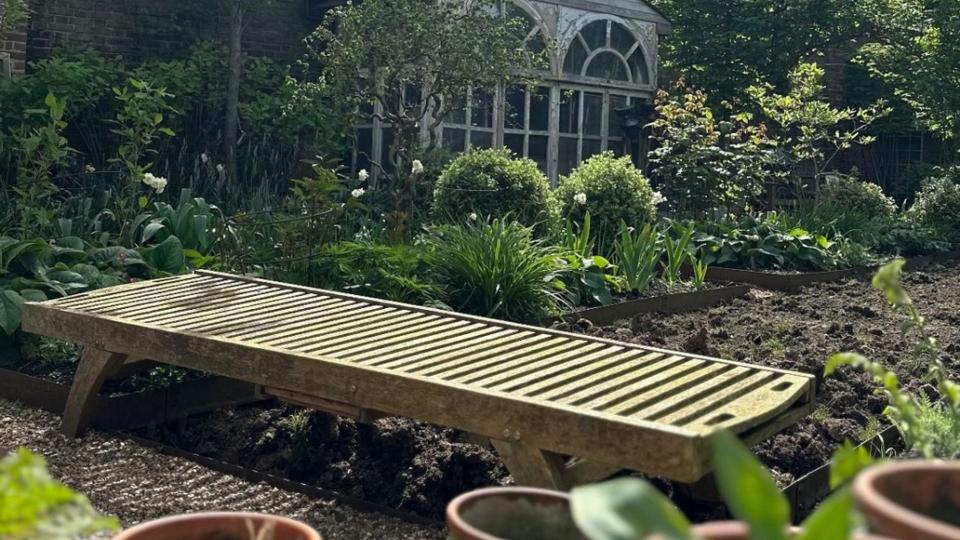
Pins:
<point x="631" y="509"/>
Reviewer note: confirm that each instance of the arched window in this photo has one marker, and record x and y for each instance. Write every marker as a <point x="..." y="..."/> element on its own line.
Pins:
<point x="533" y="32"/>
<point x="607" y="50"/>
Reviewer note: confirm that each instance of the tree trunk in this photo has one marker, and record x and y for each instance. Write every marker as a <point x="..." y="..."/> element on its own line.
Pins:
<point x="235" y="71"/>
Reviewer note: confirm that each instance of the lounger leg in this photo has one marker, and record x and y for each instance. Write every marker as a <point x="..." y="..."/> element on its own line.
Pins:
<point x="532" y="466"/>
<point x="95" y="366"/>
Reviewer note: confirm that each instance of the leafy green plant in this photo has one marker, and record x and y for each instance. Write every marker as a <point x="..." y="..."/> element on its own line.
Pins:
<point x="612" y="190"/>
<point x="493" y="183"/>
<point x="858" y="197"/>
<point x="699" y="271"/>
<point x="588" y="278"/>
<point x="496" y="269"/>
<point x="42" y="150"/>
<point x="675" y="249"/>
<point x="631" y="508"/>
<point x="929" y="428"/>
<point x="637" y="254"/>
<point x="397" y="273"/>
<point x="938" y="204"/>
<point x="764" y="242"/>
<point x="34" y="505"/>
<point x="197" y="225"/>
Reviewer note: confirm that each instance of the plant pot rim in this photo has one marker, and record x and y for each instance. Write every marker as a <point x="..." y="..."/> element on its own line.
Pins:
<point x="132" y="533"/>
<point x="456" y="522"/>
<point x="871" y="500"/>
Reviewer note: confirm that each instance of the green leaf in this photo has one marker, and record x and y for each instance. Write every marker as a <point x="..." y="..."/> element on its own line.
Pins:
<point x="626" y="509"/>
<point x="748" y="490"/>
<point x="847" y="462"/>
<point x="167" y="256"/>
<point x="151" y="230"/>
<point x="833" y="518"/>
<point x="11" y="311"/>
<point x="33" y="295"/>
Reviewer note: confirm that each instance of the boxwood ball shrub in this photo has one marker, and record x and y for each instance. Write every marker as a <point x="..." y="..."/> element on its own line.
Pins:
<point x="853" y="195"/>
<point x="612" y="189"/>
<point x="938" y="204"/>
<point x="492" y="183"/>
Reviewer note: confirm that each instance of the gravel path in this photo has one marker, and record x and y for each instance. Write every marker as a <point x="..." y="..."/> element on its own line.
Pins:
<point x="137" y="484"/>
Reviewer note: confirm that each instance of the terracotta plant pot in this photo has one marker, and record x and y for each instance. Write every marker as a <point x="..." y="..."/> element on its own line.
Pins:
<point x="915" y="500"/>
<point x="218" y="525"/>
<point x="738" y="530"/>
<point x="512" y="514"/>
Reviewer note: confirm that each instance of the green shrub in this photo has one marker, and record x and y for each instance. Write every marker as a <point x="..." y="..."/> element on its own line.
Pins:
<point x="492" y="183"/>
<point x="395" y="273"/>
<point x="855" y="196"/>
<point x="938" y="204"/>
<point x="612" y="190"/>
<point x="496" y="269"/>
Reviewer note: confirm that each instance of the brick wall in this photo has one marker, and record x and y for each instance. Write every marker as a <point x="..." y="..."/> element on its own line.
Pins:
<point x="138" y="29"/>
<point x="14" y="43"/>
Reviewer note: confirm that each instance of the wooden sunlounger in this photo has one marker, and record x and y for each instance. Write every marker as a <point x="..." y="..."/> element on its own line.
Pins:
<point x="539" y="395"/>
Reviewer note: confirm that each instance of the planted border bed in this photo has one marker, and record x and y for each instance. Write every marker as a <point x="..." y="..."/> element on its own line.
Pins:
<point x="670" y="303"/>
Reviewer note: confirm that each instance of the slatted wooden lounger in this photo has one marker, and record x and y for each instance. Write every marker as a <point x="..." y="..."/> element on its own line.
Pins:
<point x="537" y="394"/>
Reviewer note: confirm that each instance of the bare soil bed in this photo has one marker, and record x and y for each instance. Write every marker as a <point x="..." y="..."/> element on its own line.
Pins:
<point x="799" y="331"/>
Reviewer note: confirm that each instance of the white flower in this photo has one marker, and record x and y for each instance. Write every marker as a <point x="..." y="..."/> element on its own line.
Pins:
<point x="204" y="158"/>
<point x="357" y="193"/>
<point x="580" y="198"/>
<point x="417" y="167"/>
<point x="220" y="168"/>
<point x="473" y="216"/>
<point x="90" y="169"/>
<point x="658" y="198"/>
<point x="363" y="175"/>
<point x="158" y="183"/>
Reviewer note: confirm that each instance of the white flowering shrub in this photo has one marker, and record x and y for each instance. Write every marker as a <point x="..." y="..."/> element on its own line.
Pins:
<point x="938" y="204"/>
<point x="612" y="189"/>
<point x="493" y="183"/>
<point x="853" y="195"/>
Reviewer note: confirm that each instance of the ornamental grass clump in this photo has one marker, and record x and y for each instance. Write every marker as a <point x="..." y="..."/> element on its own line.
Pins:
<point x="495" y="268"/>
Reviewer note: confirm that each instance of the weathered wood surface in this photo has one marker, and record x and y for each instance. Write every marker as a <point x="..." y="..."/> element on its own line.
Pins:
<point x="639" y="407"/>
<point x="95" y="366"/>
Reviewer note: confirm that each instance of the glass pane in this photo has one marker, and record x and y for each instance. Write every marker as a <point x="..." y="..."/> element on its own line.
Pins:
<point x="412" y="95"/>
<point x="638" y="64"/>
<point x="616" y="119"/>
<point x="540" y="110"/>
<point x="482" y="113"/>
<point x="536" y="43"/>
<point x="595" y="34"/>
<point x="458" y="115"/>
<point x="569" y="111"/>
<point x="387" y="142"/>
<point x="608" y="66"/>
<point x="593" y="114"/>
<point x="513" y="142"/>
<point x="567" y="155"/>
<point x="538" y="151"/>
<point x="576" y="57"/>
<point x="617" y="146"/>
<point x="366" y="112"/>
<point x="455" y="140"/>
<point x="591" y="148"/>
<point x="621" y="39"/>
<point x="481" y="139"/>
<point x="515" y="107"/>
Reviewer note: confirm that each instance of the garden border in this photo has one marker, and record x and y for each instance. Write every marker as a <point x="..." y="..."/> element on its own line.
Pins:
<point x="135" y="410"/>
<point x="669" y="303"/>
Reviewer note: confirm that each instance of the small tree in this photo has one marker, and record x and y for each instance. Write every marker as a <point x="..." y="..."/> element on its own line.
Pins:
<point x="814" y="131"/>
<point x="411" y="57"/>
<point x="703" y="163"/>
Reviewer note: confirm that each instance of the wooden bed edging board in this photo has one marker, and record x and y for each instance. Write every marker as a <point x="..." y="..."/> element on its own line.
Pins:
<point x="670" y="303"/>
<point x="781" y="282"/>
<point x="132" y="411"/>
<point x="549" y="426"/>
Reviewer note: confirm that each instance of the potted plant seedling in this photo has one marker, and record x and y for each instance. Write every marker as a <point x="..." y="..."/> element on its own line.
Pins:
<point x="33" y="505"/>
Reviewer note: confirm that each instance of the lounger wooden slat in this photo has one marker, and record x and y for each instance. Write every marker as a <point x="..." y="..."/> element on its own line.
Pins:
<point x="538" y="394"/>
